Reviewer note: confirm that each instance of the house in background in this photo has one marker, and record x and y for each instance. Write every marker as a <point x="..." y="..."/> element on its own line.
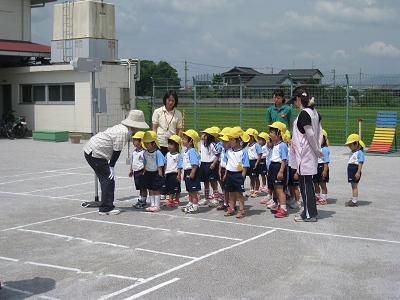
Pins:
<point x="49" y="92"/>
<point x="246" y="74"/>
<point x="301" y="76"/>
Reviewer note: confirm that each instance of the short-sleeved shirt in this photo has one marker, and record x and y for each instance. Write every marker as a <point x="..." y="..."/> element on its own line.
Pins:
<point x="104" y="143"/>
<point x="208" y="154"/>
<point x="356" y="157"/>
<point x="284" y="115"/>
<point x="153" y="160"/>
<point x="325" y="153"/>
<point x="137" y="159"/>
<point x="168" y="122"/>
<point x="190" y="158"/>
<point x="174" y="162"/>
<point x="254" y="150"/>
<point x="279" y="152"/>
<point x="236" y="159"/>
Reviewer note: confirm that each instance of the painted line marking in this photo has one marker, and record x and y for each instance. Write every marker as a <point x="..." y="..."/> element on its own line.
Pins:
<point x="9" y="259"/>
<point x="120" y="277"/>
<point x="44" y="196"/>
<point x="121" y="224"/>
<point x="17" y="290"/>
<point x="165" y="253"/>
<point x="210" y="235"/>
<point x="69" y="238"/>
<point x="152" y="289"/>
<point x="60" y="187"/>
<point x="79" y="271"/>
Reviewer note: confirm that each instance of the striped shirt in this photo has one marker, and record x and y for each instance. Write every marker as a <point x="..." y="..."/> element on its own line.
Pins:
<point x="104" y="143"/>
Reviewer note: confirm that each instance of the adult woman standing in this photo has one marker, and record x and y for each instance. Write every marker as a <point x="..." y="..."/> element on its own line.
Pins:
<point x="167" y="120"/>
<point x="305" y="150"/>
<point x="280" y="111"/>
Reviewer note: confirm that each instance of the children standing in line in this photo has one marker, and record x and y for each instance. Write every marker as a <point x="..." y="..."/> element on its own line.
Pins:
<point x="254" y="151"/>
<point x="136" y="168"/>
<point x="356" y="161"/>
<point x="237" y="162"/>
<point x="173" y="170"/>
<point x="222" y="169"/>
<point x="209" y="155"/>
<point x="322" y="177"/>
<point x="263" y="137"/>
<point x="277" y="174"/>
<point x="191" y="162"/>
<point x="154" y="162"/>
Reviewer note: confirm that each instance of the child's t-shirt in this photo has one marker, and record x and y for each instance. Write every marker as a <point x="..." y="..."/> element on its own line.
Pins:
<point x="356" y="157"/>
<point x="208" y="154"/>
<point x="254" y="150"/>
<point x="325" y="153"/>
<point x="137" y="159"/>
<point x="174" y="162"/>
<point x="190" y="158"/>
<point x="153" y="160"/>
<point x="279" y="152"/>
<point x="236" y="160"/>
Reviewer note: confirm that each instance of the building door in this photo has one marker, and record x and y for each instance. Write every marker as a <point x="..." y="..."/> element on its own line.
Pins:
<point x="5" y="98"/>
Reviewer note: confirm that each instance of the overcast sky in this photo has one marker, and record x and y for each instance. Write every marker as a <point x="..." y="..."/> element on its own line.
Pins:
<point x="213" y="36"/>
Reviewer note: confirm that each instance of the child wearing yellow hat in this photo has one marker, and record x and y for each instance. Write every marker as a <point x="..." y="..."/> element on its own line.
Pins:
<point x="154" y="161"/>
<point x="224" y="139"/>
<point x="322" y="177"/>
<point x="262" y="140"/>
<point x="137" y="166"/>
<point x="173" y="170"/>
<point x="356" y="161"/>
<point x="277" y="173"/>
<point x="190" y="165"/>
<point x="254" y="150"/>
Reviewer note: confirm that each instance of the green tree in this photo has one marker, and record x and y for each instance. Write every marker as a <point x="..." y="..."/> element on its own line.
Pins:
<point x="163" y="74"/>
<point x="217" y="79"/>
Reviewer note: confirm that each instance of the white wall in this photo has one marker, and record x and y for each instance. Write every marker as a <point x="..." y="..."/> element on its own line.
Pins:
<point x="15" y="20"/>
<point x="72" y="117"/>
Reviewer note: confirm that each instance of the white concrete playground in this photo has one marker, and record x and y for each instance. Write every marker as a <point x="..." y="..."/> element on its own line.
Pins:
<point x="53" y="248"/>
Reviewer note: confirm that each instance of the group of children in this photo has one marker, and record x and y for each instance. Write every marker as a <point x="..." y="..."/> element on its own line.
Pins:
<point x="225" y="158"/>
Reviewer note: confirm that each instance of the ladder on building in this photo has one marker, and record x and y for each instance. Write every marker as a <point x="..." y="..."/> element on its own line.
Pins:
<point x="67" y="32"/>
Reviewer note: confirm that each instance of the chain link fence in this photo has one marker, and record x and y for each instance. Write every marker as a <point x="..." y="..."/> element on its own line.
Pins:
<point x="347" y="103"/>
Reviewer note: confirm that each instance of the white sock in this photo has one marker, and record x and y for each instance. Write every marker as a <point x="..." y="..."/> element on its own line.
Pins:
<point x="152" y="200"/>
<point x="323" y="196"/>
<point x="195" y="206"/>
<point x="157" y="200"/>
<point x="190" y="203"/>
<point x="355" y="199"/>
<point x="283" y="207"/>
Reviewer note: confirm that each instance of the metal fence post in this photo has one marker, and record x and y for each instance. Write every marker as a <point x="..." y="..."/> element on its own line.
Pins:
<point x="151" y="105"/>
<point x="194" y="105"/>
<point x="347" y="106"/>
<point x="241" y="101"/>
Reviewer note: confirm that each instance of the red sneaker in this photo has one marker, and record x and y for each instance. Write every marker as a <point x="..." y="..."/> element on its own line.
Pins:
<point x="321" y="201"/>
<point x="169" y="203"/>
<point x="281" y="213"/>
<point x="176" y="203"/>
<point x="275" y="208"/>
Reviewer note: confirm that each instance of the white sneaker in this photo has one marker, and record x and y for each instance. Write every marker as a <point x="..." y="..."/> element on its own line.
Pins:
<point x="192" y="210"/>
<point x="111" y="212"/>
<point x="272" y="204"/>
<point x="167" y="197"/>
<point x="296" y="204"/>
<point x="213" y="203"/>
<point x="184" y="208"/>
<point x="162" y="197"/>
<point x="203" y="202"/>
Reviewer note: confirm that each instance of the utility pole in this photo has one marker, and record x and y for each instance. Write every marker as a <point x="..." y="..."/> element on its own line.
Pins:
<point x="334" y="76"/>
<point x="186" y="69"/>
<point x="360" y="79"/>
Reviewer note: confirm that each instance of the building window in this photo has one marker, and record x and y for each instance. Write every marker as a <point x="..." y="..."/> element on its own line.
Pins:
<point x="47" y="93"/>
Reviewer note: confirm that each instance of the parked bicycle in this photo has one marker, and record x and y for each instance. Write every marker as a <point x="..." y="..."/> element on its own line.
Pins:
<point x="7" y="129"/>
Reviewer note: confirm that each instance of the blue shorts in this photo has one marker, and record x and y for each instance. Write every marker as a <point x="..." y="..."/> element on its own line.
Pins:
<point x="152" y="181"/>
<point x="234" y="182"/>
<point x="273" y="174"/>
<point x="351" y="173"/>
<point x="137" y="175"/>
<point x="262" y="167"/>
<point x="171" y="184"/>
<point x="192" y="185"/>
<point x="291" y="181"/>
<point x="208" y="175"/>
<point x="251" y="172"/>
<point x="318" y="177"/>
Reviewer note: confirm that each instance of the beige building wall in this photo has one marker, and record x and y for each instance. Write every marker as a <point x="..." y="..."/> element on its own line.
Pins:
<point x="15" y="20"/>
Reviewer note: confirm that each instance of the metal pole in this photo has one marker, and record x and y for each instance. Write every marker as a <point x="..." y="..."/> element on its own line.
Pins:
<point x="194" y="105"/>
<point x="94" y="103"/>
<point x="241" y="101"/>
<point x="347" y="106"/>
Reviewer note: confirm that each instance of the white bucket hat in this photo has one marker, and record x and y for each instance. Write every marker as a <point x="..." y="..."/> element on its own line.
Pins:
<point x="136" y="120"/>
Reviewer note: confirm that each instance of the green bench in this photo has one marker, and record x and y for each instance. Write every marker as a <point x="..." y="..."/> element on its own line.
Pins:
<point x="50" y="135"/>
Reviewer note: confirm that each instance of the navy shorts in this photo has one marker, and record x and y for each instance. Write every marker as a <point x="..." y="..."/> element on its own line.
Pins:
<point x="152" y="181"/>
<point x="192" y="185"/>
<point x="273" y="173"/>
<point x="351" y="173"/>
<point x="318" y="177"/>
<point x="223" y="183"/>
<point x="171" y="184"/>
<point x="137" y="175"/>
<point x="251" y="172"/>
<point x="234" y="182"/>
<point x="291" y="181"/>
<point x="262" y="166"/>
<point x="206" y="174"/>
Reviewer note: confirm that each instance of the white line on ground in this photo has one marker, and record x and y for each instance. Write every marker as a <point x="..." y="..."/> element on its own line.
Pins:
<point x="60" y="187"/>
<point x="9" y="259"/>
<point x="33" y="178"/>
<point x="152" y="289"/>
<point x="165" y="253"/>
<point x="122" y="224"/>
<point x="73" y="238"/>
<point x="17" y="290"/>
<point x="210" y="235"/>
<point x="43" y="196"/>
<point x="79" y="271"/>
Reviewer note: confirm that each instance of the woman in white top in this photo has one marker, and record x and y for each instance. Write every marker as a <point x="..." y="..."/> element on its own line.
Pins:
<point x="167" y="120"/>
<point x="305" y="150"/>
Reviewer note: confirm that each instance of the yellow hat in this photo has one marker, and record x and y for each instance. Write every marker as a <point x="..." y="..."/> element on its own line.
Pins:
<point x="279" y="125"/>
<point x="237" y="132"/>
<point x="325" y="134"/>
<point x="224" y="130"/>
<point x="211" y="131"/>
<point x="194" y="136"/>
<point x="354" y="138"/>
<point x="138" y="135"/>
<point x="286" y="136"/>
<point x="216" y="129"/>
<point x="224" y="137"/>
<point x="177" y="139"/>
<point x="151" y="136"/>
<point x="252" y="132"/>
<point x="264" y="135"/>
